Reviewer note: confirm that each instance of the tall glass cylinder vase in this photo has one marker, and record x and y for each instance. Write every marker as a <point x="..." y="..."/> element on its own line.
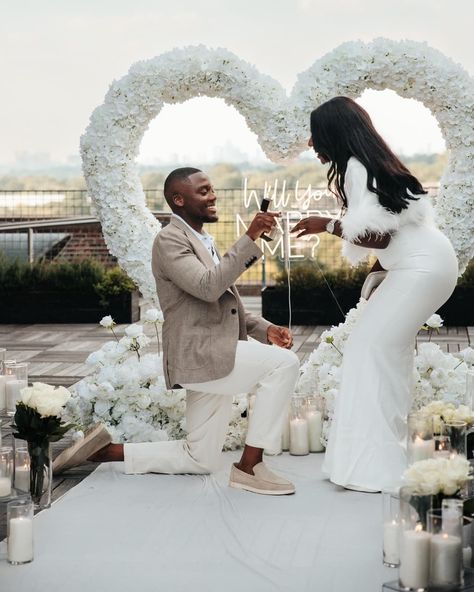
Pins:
<point x="314" y="417"/>
<point x="457" y="432"/>
<point x="16" y="374"/>
<point x="6" y="472"/>
<point x="41" y="473"/>
<point x="420" y="443"/>
<point x="391" y="527"/>
<point x="285" y="436"/>
<point x="414" y="539"/>
<point x="20" y="531"/>
<point x="299" y="438"/>
<point x="445" y="529"/>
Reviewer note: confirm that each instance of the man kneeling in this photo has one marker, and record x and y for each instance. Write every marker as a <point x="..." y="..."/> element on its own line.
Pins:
<point x="205" y="350"/>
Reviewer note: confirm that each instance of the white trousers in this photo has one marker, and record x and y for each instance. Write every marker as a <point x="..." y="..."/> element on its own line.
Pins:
<point x="269" y="371"/>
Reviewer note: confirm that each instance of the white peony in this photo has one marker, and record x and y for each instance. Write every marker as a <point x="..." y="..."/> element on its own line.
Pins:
<point x="134" y="331"/>
<point x="47" y="400"/>
<point x="153" y="315"/>
<point x="107" y="322"/>
<point x="467" y="355"/>
<point x="434" y="322"/>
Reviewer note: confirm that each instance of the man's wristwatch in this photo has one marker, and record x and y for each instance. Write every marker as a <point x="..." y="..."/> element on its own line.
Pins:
<point x="330" y="225"/>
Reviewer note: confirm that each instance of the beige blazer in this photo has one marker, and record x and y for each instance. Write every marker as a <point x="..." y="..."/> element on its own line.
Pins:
<point x="204" y="317"/>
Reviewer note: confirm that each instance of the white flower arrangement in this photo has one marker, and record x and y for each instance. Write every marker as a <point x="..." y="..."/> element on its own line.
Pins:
<point x="438" y="475"/>
<point x="414" y="70"/>
<point x="447" y="412"/>
<point x="45" y="399"/>
<point x="126" y="392"/>
<point x="437" y="375"/>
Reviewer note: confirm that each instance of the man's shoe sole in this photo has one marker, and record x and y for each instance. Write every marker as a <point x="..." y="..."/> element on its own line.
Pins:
<point x="261" y="491"/>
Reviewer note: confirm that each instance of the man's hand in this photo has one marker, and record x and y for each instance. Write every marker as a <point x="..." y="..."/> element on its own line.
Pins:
<point x="262" y="223"/>
<point x="311" y="225"/>
<point x="280" y="336"/>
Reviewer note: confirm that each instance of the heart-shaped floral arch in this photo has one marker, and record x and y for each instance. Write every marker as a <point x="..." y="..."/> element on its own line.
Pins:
<point x="112" y="140"/>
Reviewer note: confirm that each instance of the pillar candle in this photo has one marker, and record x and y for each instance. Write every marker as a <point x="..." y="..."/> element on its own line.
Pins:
<point x="467" y="557"/>
<point x="5" y="486"/>
<point x="315" y="430"/>
<point x="13" y="392"/>
<point x="414" y="558"/>
<point x="421" y="449"/>
<point x="3" y="402"/>
<point x="299" y="439"/>
<point x="391" y="553"/>
<point x="22" y="478"/>
<point x="446" y="559"/>
<point x="20" y="540"/>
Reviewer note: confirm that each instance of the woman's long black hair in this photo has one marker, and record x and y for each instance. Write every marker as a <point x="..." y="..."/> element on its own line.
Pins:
<point x="340" y="128"/>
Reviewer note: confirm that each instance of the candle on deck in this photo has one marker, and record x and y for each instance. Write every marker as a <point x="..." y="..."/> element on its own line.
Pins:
<point x="299" y="439"/>
<point x="421" y="449"/>
<point x="13" y="389"/>
<point x="391" y="551"/>
<point x="5" y="486"/>
<point x="22" y="478"/>
<point x="315" y="430"/>
<point x="446" y="559"/>
<point x="20" y="540"/>
<point x="414" y="558"/>
<point x="3" y="401"/>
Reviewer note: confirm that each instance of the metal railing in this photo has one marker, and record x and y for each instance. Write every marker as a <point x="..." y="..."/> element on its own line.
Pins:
<point x="32" y="223"/>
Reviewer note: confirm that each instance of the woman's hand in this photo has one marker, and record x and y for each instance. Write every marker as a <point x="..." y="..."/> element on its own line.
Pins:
<point x="311" y="225"/>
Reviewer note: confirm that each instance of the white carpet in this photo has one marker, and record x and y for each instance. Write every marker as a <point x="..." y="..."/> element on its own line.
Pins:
<point x="153" y="533"/>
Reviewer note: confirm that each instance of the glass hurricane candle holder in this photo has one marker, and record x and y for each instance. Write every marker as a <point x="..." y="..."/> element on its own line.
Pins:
<point x="22" y="470"/>
<point x="445" y="529"/>
<point x="3" y="379"/>
<point x="414" y="539"/>
<point x="314" y="417"/>
<point x="420" y="443"/>
<point x="285" y="436"/>
<point x="442" y="447"/>
<point x="457" y="433"/>
<point x="391" y="527"/>
<point x="20" y="531"/>
<point x="6" y="471"/>
<point x="16" y="374"/>
<point x="299" y="438"/>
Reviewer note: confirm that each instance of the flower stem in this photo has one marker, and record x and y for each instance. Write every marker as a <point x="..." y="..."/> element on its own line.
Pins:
<point x="337" y="349"/>
<point x="113" y="333"/>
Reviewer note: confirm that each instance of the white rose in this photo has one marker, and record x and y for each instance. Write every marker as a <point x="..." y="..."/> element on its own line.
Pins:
<point x="468" y="355"/>
<point x="107" y="322"/>
<point x="134" y="331"/>
<point x="153" y="315"/>
<point x="434" y="322"/>
<point x="47" y="400"/>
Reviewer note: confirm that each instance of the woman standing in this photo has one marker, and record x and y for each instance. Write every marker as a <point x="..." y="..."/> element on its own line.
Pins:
<point x="384" y="211"/>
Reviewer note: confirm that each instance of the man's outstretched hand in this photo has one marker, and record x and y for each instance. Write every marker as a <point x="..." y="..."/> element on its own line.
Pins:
<point x="280" y="336"/>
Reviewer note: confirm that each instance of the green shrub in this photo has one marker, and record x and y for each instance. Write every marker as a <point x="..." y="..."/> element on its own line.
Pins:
<point x="84" y="277"/>
<point x="307" y="275"/>
<point x="114" y="282"/>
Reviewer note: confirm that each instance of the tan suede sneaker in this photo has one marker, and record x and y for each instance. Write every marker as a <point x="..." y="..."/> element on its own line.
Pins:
<point x="263" y="481"/>
<point x="94" y="439"/>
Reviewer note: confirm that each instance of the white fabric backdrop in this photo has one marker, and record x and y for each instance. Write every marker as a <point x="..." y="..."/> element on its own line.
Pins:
<point x="151" y="533"/>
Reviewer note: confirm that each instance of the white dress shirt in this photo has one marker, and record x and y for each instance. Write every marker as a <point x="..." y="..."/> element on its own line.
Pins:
<point x="205" y="238"/>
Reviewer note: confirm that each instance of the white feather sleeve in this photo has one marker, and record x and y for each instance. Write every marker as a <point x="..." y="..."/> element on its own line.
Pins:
<point x="364" y="214"/>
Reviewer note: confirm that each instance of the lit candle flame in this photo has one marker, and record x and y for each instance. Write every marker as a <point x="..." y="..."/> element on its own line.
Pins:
<point x="418" y="527"/>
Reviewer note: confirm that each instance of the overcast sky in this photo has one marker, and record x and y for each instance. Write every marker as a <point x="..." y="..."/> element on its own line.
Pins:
<point x="59" y="57"/>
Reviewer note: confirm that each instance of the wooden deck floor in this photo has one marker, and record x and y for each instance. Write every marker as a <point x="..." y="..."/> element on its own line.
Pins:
<point x="56" y="355"/>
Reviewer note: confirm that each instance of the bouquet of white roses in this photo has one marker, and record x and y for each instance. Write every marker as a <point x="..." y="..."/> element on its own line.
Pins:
<point x="436" y="476"/>
<point x="38" y="420"/>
